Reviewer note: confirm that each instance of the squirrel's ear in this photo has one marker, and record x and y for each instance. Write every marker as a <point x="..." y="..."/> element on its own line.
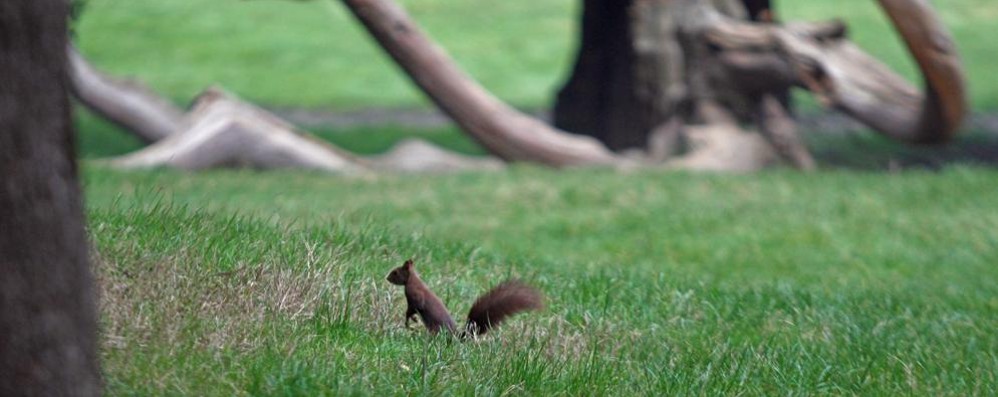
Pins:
<point x="408" y="264"/>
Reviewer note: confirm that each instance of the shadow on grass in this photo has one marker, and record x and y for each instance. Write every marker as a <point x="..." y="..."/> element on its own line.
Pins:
<point x="870" y="152"/>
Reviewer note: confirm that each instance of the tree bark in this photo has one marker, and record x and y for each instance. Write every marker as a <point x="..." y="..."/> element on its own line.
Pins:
<point x="619" y="92"/>
<point x="48" y="319"/>
<point x="635" y="69"/>
<point x="780" y="131"/>
<point x="129" y="104"/>
<point x="844" y="77"/>
<point x="599" y="99"/>
<point x="504" y="131"/>
<point x="223" y="131"/>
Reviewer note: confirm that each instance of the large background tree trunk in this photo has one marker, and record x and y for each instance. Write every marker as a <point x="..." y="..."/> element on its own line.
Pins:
<point x="635" y="70"/>
<point x="48" y="323"/>
<point x="618" y="90"/>
<point x="598" y="99"/>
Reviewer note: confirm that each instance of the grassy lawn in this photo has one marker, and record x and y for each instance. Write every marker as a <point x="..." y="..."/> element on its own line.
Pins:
<point x="840" y="282"/>
<point x="313" y="54"/>
<point x="846" y="281"/>
<point x="242" y="283"/>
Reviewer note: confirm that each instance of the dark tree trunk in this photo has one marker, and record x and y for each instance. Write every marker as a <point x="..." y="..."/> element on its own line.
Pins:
<point x="603" y="97"/>
<point x="48" y="322"/>
<point x="635" y="70"/>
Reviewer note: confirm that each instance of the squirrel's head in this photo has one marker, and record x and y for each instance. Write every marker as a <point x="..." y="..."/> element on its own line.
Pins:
<point x="400" y="275"/>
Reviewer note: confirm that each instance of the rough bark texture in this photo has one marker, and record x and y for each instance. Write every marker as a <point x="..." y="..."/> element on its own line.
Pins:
<point x="47" y="311"/>
<point x="635" y="69"/>
<point x="669" y="57"/>
<point x="844" y="77"/>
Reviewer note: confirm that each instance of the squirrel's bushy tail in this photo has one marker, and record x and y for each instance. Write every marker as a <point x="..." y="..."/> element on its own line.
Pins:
<point x="506" y="299"/>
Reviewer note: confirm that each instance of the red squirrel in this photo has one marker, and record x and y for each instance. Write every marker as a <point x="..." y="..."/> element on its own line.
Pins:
<point x="490" y="309"/>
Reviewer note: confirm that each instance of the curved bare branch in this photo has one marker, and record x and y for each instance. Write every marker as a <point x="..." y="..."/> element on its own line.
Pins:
<point x="845" y="77"/>
<point x="126" y="103"/>
<point x="851" y="80"/>
<point x="223" y="131"/>
<point x="501" y="129"/>
<point x="944" y="104"/>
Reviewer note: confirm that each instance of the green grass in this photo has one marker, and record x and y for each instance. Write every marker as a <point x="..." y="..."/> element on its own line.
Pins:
<point x="313" y="54"/>
<point x="845" y="281"/>
<point x="246" y="283"/>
